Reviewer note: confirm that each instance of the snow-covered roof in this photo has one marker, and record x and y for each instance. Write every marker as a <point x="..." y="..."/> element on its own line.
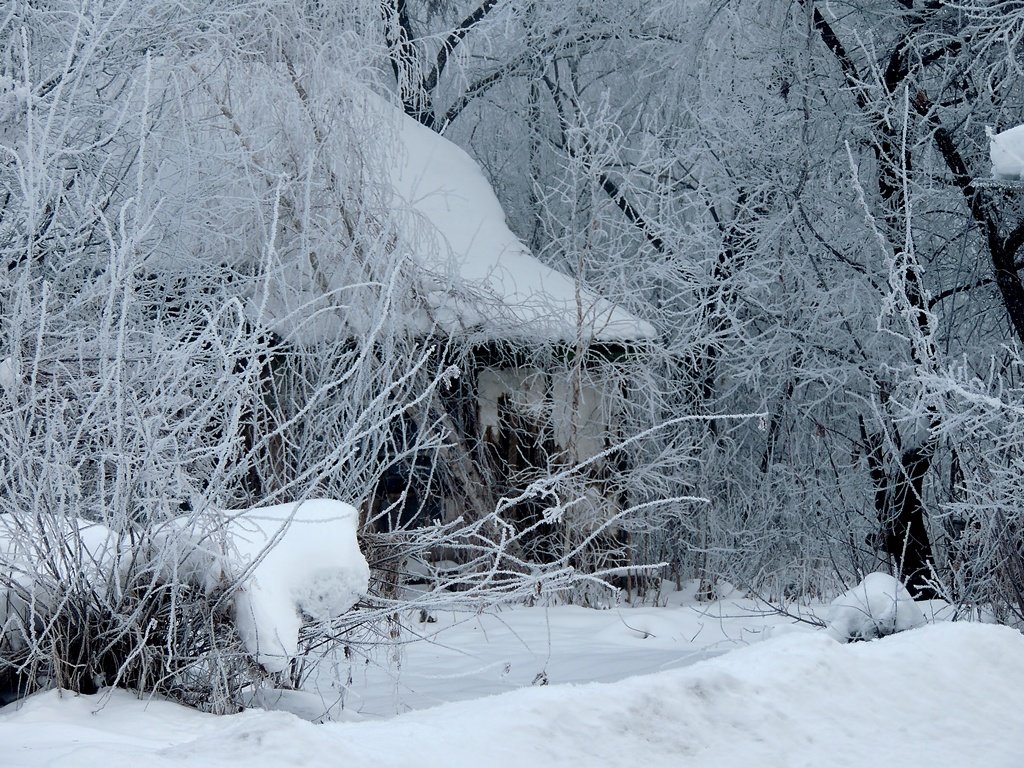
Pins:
<point x="336" y="198"/>
<point x="438" y="182"/>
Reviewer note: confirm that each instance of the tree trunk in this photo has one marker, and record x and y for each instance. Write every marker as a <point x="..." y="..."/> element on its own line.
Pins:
<point x="899" y="506"/>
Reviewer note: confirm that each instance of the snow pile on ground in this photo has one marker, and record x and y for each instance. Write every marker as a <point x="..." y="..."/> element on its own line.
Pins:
<point x="942" y="695"/>
<point x="67" y="550"/>
<point x="1006" y="150"/>
<point x="472" y="655"/>
<point x="880" y="605"/>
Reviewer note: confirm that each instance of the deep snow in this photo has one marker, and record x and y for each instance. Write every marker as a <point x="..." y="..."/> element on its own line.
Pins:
<point x="942" y="695"/>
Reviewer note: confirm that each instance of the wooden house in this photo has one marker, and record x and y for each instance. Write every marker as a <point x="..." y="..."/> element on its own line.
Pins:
<point x="366" y="220"/>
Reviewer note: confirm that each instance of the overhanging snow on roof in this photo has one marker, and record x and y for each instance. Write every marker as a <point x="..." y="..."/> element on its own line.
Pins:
<point x="436" y="181"/>
<point x="285" y="173"/>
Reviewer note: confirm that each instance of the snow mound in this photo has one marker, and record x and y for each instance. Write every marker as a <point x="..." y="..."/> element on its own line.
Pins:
<point x="1006" y="150"/>
<point x="297" y="562"/>
<point x="69" y="551"/>
<point x="878" y="606"/>
<point x="799" y="700"/>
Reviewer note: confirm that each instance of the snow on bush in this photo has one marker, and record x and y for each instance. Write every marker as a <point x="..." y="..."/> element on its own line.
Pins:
<point x="84" y="605"/>
<point x="1006" y="150"/>
<point x="297" y="561"/>
<point x="880" y="605"/>
<point x="286" y="563"/>
<point x="43" y="560"/>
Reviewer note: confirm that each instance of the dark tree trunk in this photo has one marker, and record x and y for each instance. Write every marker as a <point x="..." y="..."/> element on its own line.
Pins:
<point x="898" y="501"/>
<point x="908" y="543"/>
<point x="899" y="505"/>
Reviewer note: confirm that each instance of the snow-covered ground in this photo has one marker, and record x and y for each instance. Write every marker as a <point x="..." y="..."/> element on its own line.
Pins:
<point x="774" y="695"/>
<point x="470" y="656"/>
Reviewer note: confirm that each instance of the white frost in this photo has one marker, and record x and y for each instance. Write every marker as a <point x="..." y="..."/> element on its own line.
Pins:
<point x="878" y="606"/>
<point x="1006" y="150"/>
<point x="580" y="419"/>
<point x="44" y="558"/>
<point x="8" y="376"/>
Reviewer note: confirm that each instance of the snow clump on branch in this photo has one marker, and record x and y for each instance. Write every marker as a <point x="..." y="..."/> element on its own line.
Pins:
<point x="1006" y="151"/>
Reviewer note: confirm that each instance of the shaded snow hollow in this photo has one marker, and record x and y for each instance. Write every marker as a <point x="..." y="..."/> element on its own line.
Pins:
<point x="942" y="695"/>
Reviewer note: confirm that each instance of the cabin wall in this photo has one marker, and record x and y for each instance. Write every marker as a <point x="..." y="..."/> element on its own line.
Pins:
<point x="574" y="414"/>
<point x="537" y="424"/>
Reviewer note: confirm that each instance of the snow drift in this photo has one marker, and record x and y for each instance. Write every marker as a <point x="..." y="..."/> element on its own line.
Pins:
<point x="943" y="695"/>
